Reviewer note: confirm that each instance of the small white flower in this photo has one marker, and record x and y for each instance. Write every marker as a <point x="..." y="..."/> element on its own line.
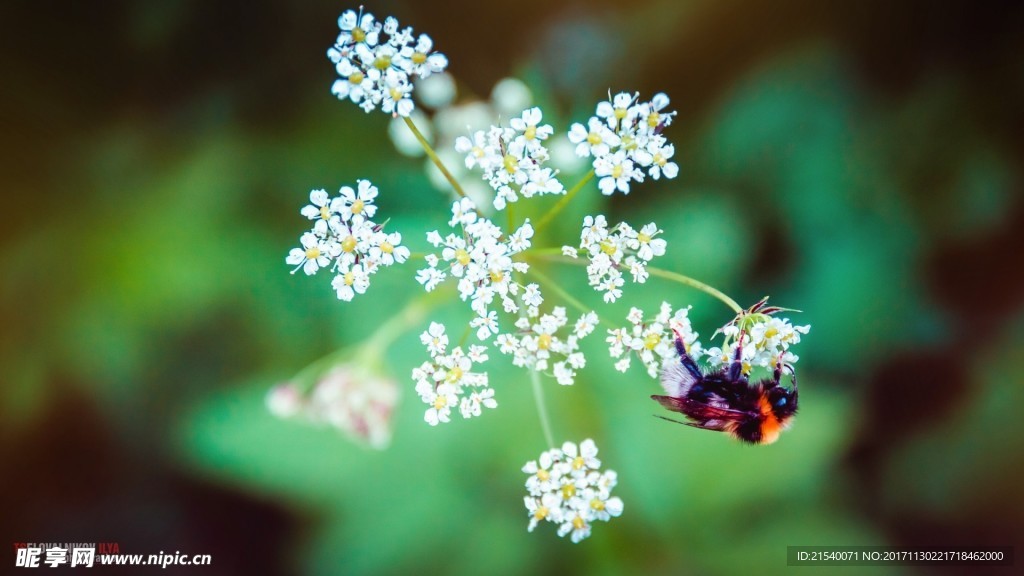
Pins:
<point x="314" y="254"/>
<point x="319" y="209"/>
<point x="435" y="339"/>
<point x="596" y="139"/>
<point x="616" y="171"/>
<point x="350" y="282"/>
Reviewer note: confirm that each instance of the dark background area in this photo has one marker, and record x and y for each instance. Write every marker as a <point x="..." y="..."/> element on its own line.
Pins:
<point x="859" y="161"/>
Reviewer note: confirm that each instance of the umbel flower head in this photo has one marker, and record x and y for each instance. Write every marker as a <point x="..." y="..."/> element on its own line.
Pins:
<point x="448" y="381"/>
<point x="512" y="158"/>
<point x="377" y="62"/>
<point x="624" y="138"/>
<point x="481" y="258"/>
<point x="611" y="251"/>
<point x="566" y="487"/>
<point x="346" y="240"/>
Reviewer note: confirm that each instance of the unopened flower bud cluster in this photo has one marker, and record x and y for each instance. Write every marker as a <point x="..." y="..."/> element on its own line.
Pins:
<point x="348" y="397"/>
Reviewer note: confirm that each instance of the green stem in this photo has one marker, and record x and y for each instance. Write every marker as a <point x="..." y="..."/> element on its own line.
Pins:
<point x="433" y="156"/>
<point x="709" y="290"/>
<point x="561" y="204"/>
<point x="542" y="410"/>
<point x="666" y="274"/>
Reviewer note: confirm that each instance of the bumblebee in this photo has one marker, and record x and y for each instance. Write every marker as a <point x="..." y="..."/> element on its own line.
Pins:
<point x="724" y="400"/>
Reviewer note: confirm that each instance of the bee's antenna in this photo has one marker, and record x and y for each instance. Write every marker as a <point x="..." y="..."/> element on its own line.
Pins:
<point x="670" y="419"/>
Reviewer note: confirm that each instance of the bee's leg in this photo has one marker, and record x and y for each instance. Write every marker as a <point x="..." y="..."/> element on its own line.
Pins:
<point x="686" y="359"/>
<point x="777" y="375"/>
<point x="736" y="368"/>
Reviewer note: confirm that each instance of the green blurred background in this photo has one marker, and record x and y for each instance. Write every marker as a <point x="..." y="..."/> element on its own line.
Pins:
<point x="855" y="160"/>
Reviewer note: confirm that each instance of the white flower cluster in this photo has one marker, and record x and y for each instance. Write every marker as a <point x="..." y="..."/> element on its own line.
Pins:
<point x="344" y="238"/>
<point x="566" y="487"/>
<point x="349" y="398"/>
<point x="537" y="342"/>
<point x="652" y="341"/>
<point x="766" y="340"/>
<point x="376" y="71"/>
<point x="443" y="382"/>
<point x="625" y="138"/>
<point x="481" y="258"/>
<point x="512" y="158"/>
<point x="609" y="251"/>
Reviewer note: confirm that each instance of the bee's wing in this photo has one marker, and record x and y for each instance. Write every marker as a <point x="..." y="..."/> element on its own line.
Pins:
<point x="704" y="415"/>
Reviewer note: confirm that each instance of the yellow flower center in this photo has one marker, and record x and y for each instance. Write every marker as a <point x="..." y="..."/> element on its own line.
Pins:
<point x="454" y="375"/>
<point x="419" y="57"/>
<point x="462" y="257"/>
<point x="530" y="133"/>
<point x="578" y="523"/>
<point x="652" y="341"/>
<point x="358" y="34"/>
<point x="357" y="206"/>
<point x="386" y="247"/>
<point x="597" y="504"/>
<point x="325" y="212"/>
<point x="349" y="278"/>
<point x="348" y="244"/>
<point x="620" y="113"/>
<point x="511" y="164"/>
<point x="396" y="94"/>
<point x="629" y="143"/>
<point x="356" y="78"/>
<point x="617" y="172"/>
<point x="312" y="253"/>
<point x="543" y="475"/>
<point x="654" y="119"/>
<point x="544" y="342"/>
<point x="383" y="62"/>
<point x="440" y="402"/>
<point x="608" y="247"/>
<point x="770" y="333"/>
<point x="541" y="513"/>
<point x="478" y="152"/>
<point x="497" y="276"/>
<point x="568" y="491"/>
<point x="643" y="238"/>
<point x="578" y="463"/>
<point x="594" y="138"/>
<point x="660" y="160"/>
